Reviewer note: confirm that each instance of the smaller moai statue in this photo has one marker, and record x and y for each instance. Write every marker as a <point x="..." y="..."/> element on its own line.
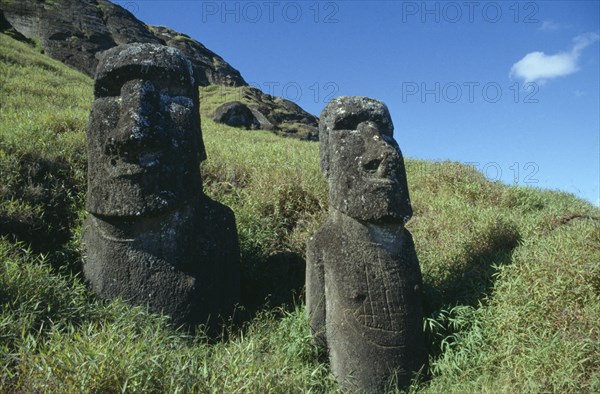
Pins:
<point x="363" y="281"/>
<point x="152" y="237"/>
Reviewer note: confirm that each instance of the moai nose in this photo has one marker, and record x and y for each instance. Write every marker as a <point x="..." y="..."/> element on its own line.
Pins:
<point x="141" y="98"/>
<point x="388" y="162"/>
<point x="139" y="107"/>
<point x="384" y="165"/>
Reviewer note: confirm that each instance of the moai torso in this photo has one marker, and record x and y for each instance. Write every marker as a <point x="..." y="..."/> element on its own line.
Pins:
<point x="363" y="278"/>
<point x="152" y="237"/>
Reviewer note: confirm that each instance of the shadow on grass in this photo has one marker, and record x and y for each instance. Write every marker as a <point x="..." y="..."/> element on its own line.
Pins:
<point x="46" y="193"/>
<point x="273" y="281"/>
<point x="468" y="286"/>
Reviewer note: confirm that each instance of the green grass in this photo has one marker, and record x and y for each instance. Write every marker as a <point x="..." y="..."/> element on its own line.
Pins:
<point x="512" y="274"/>
<point x="212" y="96"/>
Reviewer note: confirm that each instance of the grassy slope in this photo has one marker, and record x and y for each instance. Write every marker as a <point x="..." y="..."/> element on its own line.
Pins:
<point x="214" y="95"/>
<point x="512" y="274"/>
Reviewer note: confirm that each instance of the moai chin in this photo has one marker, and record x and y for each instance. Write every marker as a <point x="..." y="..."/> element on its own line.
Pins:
<point x="363" y="281"/>
<point x="152" y="237"/>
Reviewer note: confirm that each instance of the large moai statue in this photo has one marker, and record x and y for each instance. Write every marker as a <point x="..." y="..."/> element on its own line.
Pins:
<point x="363" y="281"/>
<point x="152" y="237"/>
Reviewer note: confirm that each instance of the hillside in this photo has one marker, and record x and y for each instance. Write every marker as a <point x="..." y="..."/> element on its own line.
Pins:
<point x="512" y="274"/>
<point x="76" y="31"/>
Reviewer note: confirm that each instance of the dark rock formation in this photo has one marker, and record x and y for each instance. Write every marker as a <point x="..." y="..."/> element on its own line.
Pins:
<point x="288" y="118"/>
<point x="75" y="31"/>
<point x="152" y="237"/>
<point x="363" y="281"/>
<point x="209" y="68"/>
<point x="236" y="114"/>
<point x="6" y="28"/>
<point x="263" y="121"/>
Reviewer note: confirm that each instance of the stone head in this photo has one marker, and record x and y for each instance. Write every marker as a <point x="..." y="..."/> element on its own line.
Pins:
<point x="144" y="139"/>
<point x="362" y="161"/>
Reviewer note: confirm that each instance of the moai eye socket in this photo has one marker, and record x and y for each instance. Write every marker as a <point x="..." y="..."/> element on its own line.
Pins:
<point x="109" y="87"/>
<point x="348" y="122"/>
<point x="372" y="165"/>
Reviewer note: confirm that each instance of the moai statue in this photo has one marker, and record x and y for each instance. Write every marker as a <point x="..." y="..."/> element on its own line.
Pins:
<point x="363" y="281"/>
<point x="152" y="237"/>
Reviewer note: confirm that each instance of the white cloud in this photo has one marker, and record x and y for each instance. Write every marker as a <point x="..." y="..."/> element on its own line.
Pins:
<point x="583" y="41"/>
<point x="550" y="25"/>
<point x="539" y="67"/>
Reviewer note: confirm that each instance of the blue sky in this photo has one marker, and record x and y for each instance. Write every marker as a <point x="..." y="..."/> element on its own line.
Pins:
<point x="511" y="87"/>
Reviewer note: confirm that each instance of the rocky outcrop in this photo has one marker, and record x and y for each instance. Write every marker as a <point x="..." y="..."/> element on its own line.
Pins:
<point x="279" y="115"/>
<point x="152" y="237"/>
<point x="363" y="281"/>
<point x="288" y="118"/>
<point x="6" y="28"/>
<point x="76" y="31"/>
<point x="236" y="114"/>
<point x="209" y="68"/>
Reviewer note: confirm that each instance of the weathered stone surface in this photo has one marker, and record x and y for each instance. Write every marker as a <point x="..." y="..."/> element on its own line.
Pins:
<point x="9" y="30"/>
<point x="263" y="122"/>
<point x="365" y="168"/>
<point x="152" y="237"/>
<point x="314" y="284"/>
<point x="236" y="114"/>
<point x="144" y="141"/>
<point x="346" y="113"/>
<point x="363" y="281"/>
<point x="183" y="263"/>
